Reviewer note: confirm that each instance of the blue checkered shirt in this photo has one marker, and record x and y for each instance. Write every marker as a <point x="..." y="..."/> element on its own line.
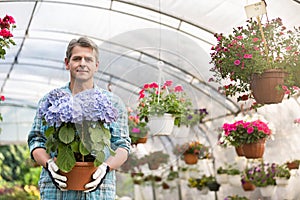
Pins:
<point x="119" y="138"/>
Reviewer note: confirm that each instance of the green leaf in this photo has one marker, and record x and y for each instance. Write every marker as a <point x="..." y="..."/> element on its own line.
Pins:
<point x="96" y="134"/>
<point x="75" y="146"/>
<point x="100" y="156"/>
<point x="65" y="159"/>
<point x="66" y="134"/>
<point x="84" y="151"/>
<point x="49" y="131"/>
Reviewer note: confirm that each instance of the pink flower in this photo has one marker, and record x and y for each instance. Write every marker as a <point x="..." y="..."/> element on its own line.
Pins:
<point x="255" y="39"/>
<point x="288" y="48"/>
<point x="5" y="33"/>
<point x="135" y="130"/>
<point x="237" y="62"/>
<point x="178" y="88"/>
<point x="168" y="83"/>
<point x="247" y="55"/>
<point x="250" y="130"/>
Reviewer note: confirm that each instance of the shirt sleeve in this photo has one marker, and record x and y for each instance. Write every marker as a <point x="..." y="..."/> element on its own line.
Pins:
<point x="119" y="129"/>
<point x="36" y="137"/>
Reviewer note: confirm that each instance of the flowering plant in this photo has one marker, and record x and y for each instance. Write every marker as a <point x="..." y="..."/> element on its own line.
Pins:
<point x="193" y="116"/>
<point x="157" y="100"/>
<point x="193" y="147"/>
<point x="282" y="171"/>
<point x="6" y="25"/>
<point x="137" y="128"/>
<point x="236" y="197"/>
<point x="244" y="132"/>
<point x="2" y="98"/>
<point x="77" y="126"/>
<point x="245" y="52"/>
<point x="260" y="175"/>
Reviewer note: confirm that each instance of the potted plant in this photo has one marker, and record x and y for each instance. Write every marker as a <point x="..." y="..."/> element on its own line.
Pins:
<point x="282" y="175"/>
<point x="294" y="164"/>
<point x="138" y="130"/>
<point x="132" y="164"/>
<point x="198" y="183"/>
<point x="212" y="183"/>
<point x="263" y="176"/>
<point x="222" y="175"/>
<point x="77" y="130"/>
<point x="157" y="101"/>
<point x="155" y="159"/>
<point x="192" y="151"/>
<point x="7" y="24"/>
<point x="236" y="197"/>
<point x="250" y="135"/>
<point x="190" y="118"/>
<point x="234" y="175"/>
<point x="248" y="52"/>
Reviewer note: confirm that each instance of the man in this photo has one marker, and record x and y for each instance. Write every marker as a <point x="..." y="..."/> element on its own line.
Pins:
<point x="82" y="60"/>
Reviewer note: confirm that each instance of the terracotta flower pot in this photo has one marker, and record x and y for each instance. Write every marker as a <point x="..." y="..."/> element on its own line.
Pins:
<point x="254" y="150"/>
<point x="265" y="86"/>
<point x="153" y="165"/>
<point x="239" y="150"/>
<point x="190" y="159"/>
<point x="292" y="165"/>
<point x="248" y="186"/>
<point x="80" y="175"/>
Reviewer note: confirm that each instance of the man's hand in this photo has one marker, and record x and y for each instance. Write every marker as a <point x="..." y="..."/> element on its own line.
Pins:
<point x="58" y="180"/>
<point x="97" y="177"/>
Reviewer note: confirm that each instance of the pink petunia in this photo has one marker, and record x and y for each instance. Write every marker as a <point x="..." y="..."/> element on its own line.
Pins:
<point x="237" y="62"/>
<point x="250" y="130"/>
<point x="135" y="130"/>
<point x="239" y="37"/>
<point x="247" y="55"/>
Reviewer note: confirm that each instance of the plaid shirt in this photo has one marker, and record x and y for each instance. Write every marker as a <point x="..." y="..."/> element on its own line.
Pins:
<point x="119" y="138"/>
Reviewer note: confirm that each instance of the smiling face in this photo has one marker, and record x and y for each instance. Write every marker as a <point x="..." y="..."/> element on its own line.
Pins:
<point x="82" y="65"/>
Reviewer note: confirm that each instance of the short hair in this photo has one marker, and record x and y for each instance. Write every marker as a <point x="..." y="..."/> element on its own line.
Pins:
<point x="82" y="42"/>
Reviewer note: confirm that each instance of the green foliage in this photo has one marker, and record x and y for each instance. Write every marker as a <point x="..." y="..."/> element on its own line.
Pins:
<point x="158" y="99"/>
<point x="76" y="142"/>
<point x="236" y="197"/>
<point x="239" y="55"/>
<point x="156" y="157"/>
<point x="18" y="175"/>
<point x="282" y="171"/>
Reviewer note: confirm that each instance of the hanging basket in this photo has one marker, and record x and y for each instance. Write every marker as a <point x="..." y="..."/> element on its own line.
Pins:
<point x="141" y="140"/>
<point x="153" y="165"/>
<point x="213" y="186"/>
<point x="267" y="191"/>
<point x="239" y="150"/>
<point x="248" y="186"/>
<point x="161" y="125"/>
<point x="254" y="150"/>
<point x="80" y="175"/>
<point x="265" y="86"/>
<point x="190" y="159"/>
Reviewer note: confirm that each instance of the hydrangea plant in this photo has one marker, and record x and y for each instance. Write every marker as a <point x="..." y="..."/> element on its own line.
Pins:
<point x="77" y="126"/>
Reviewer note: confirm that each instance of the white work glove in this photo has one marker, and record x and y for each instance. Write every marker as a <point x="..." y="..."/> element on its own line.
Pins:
<point x="97" y="177"/>
<point x="58" y="180"/>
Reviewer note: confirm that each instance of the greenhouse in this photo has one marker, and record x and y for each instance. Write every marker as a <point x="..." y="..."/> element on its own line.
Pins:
<point x="199" y="62"/>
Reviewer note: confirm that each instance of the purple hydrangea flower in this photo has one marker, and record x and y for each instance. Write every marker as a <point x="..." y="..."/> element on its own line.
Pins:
<point x="90" y="105"/>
